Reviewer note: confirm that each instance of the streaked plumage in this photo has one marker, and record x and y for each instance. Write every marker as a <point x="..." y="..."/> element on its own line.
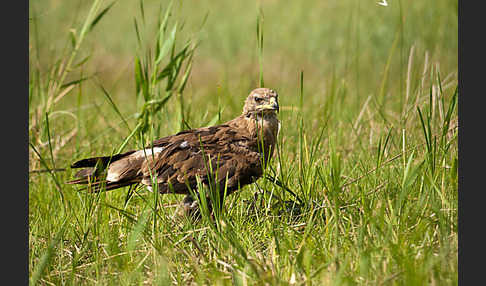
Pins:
<point x="233" y="148"/>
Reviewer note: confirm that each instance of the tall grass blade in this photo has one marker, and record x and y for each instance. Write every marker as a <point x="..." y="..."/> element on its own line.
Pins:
<point x="167" y="45"/>
<point x="260" y="43"/>
<point x="113" y="105"/>
<point x="100" y="15"/>
<point x="137" y="32"/>
<point x="46" y="166"/>
<point x="46" y="258"/>
<point x="49" y="140"/>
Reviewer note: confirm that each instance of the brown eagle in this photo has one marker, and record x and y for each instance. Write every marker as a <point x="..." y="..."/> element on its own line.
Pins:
<point x="230" y="155"/>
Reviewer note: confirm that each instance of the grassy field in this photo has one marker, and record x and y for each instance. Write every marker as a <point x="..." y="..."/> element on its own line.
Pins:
<point x="367" y="153"/>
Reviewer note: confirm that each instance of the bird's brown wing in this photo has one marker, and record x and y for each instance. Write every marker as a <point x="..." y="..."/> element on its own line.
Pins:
<point x="219" y="155"/>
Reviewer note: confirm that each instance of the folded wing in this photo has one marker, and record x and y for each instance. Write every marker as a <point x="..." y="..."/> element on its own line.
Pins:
<point x="217" y="155"/>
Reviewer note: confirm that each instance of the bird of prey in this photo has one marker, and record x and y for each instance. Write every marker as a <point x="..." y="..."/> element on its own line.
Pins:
<point x="229" y="156"/>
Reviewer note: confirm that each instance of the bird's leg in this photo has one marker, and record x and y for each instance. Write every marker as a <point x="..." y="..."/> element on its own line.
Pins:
<point x="191" y="208"/>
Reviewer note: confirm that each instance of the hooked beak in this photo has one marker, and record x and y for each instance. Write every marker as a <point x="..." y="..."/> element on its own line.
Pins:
<point x="272" y="106"/>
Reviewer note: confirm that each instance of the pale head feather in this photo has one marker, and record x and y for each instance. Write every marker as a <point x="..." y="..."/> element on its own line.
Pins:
<point x="261" y="100"/>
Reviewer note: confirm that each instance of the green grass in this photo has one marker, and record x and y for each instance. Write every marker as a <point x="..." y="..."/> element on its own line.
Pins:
<point x="366" y="160"/>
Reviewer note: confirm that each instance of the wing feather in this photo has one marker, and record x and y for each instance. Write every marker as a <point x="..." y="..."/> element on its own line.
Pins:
<point x="179" y="160"/>
<point x="194" y="154"/>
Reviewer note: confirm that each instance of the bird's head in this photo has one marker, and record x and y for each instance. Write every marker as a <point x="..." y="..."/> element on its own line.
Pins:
<point x="261" y="101"/>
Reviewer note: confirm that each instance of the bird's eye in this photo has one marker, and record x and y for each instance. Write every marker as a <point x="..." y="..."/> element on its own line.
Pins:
<point x="258" y="99"/>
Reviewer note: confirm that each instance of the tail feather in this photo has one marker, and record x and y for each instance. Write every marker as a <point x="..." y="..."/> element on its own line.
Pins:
<point x="97" y="185"/>
<point x="92" y="173"/>
<point x="105" y="160"/>
<point x="87" y="172"/>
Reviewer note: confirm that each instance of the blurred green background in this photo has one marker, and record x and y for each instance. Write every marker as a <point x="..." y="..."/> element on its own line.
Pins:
<point x="350" y="40"/>
<point x="357" y="47"/>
